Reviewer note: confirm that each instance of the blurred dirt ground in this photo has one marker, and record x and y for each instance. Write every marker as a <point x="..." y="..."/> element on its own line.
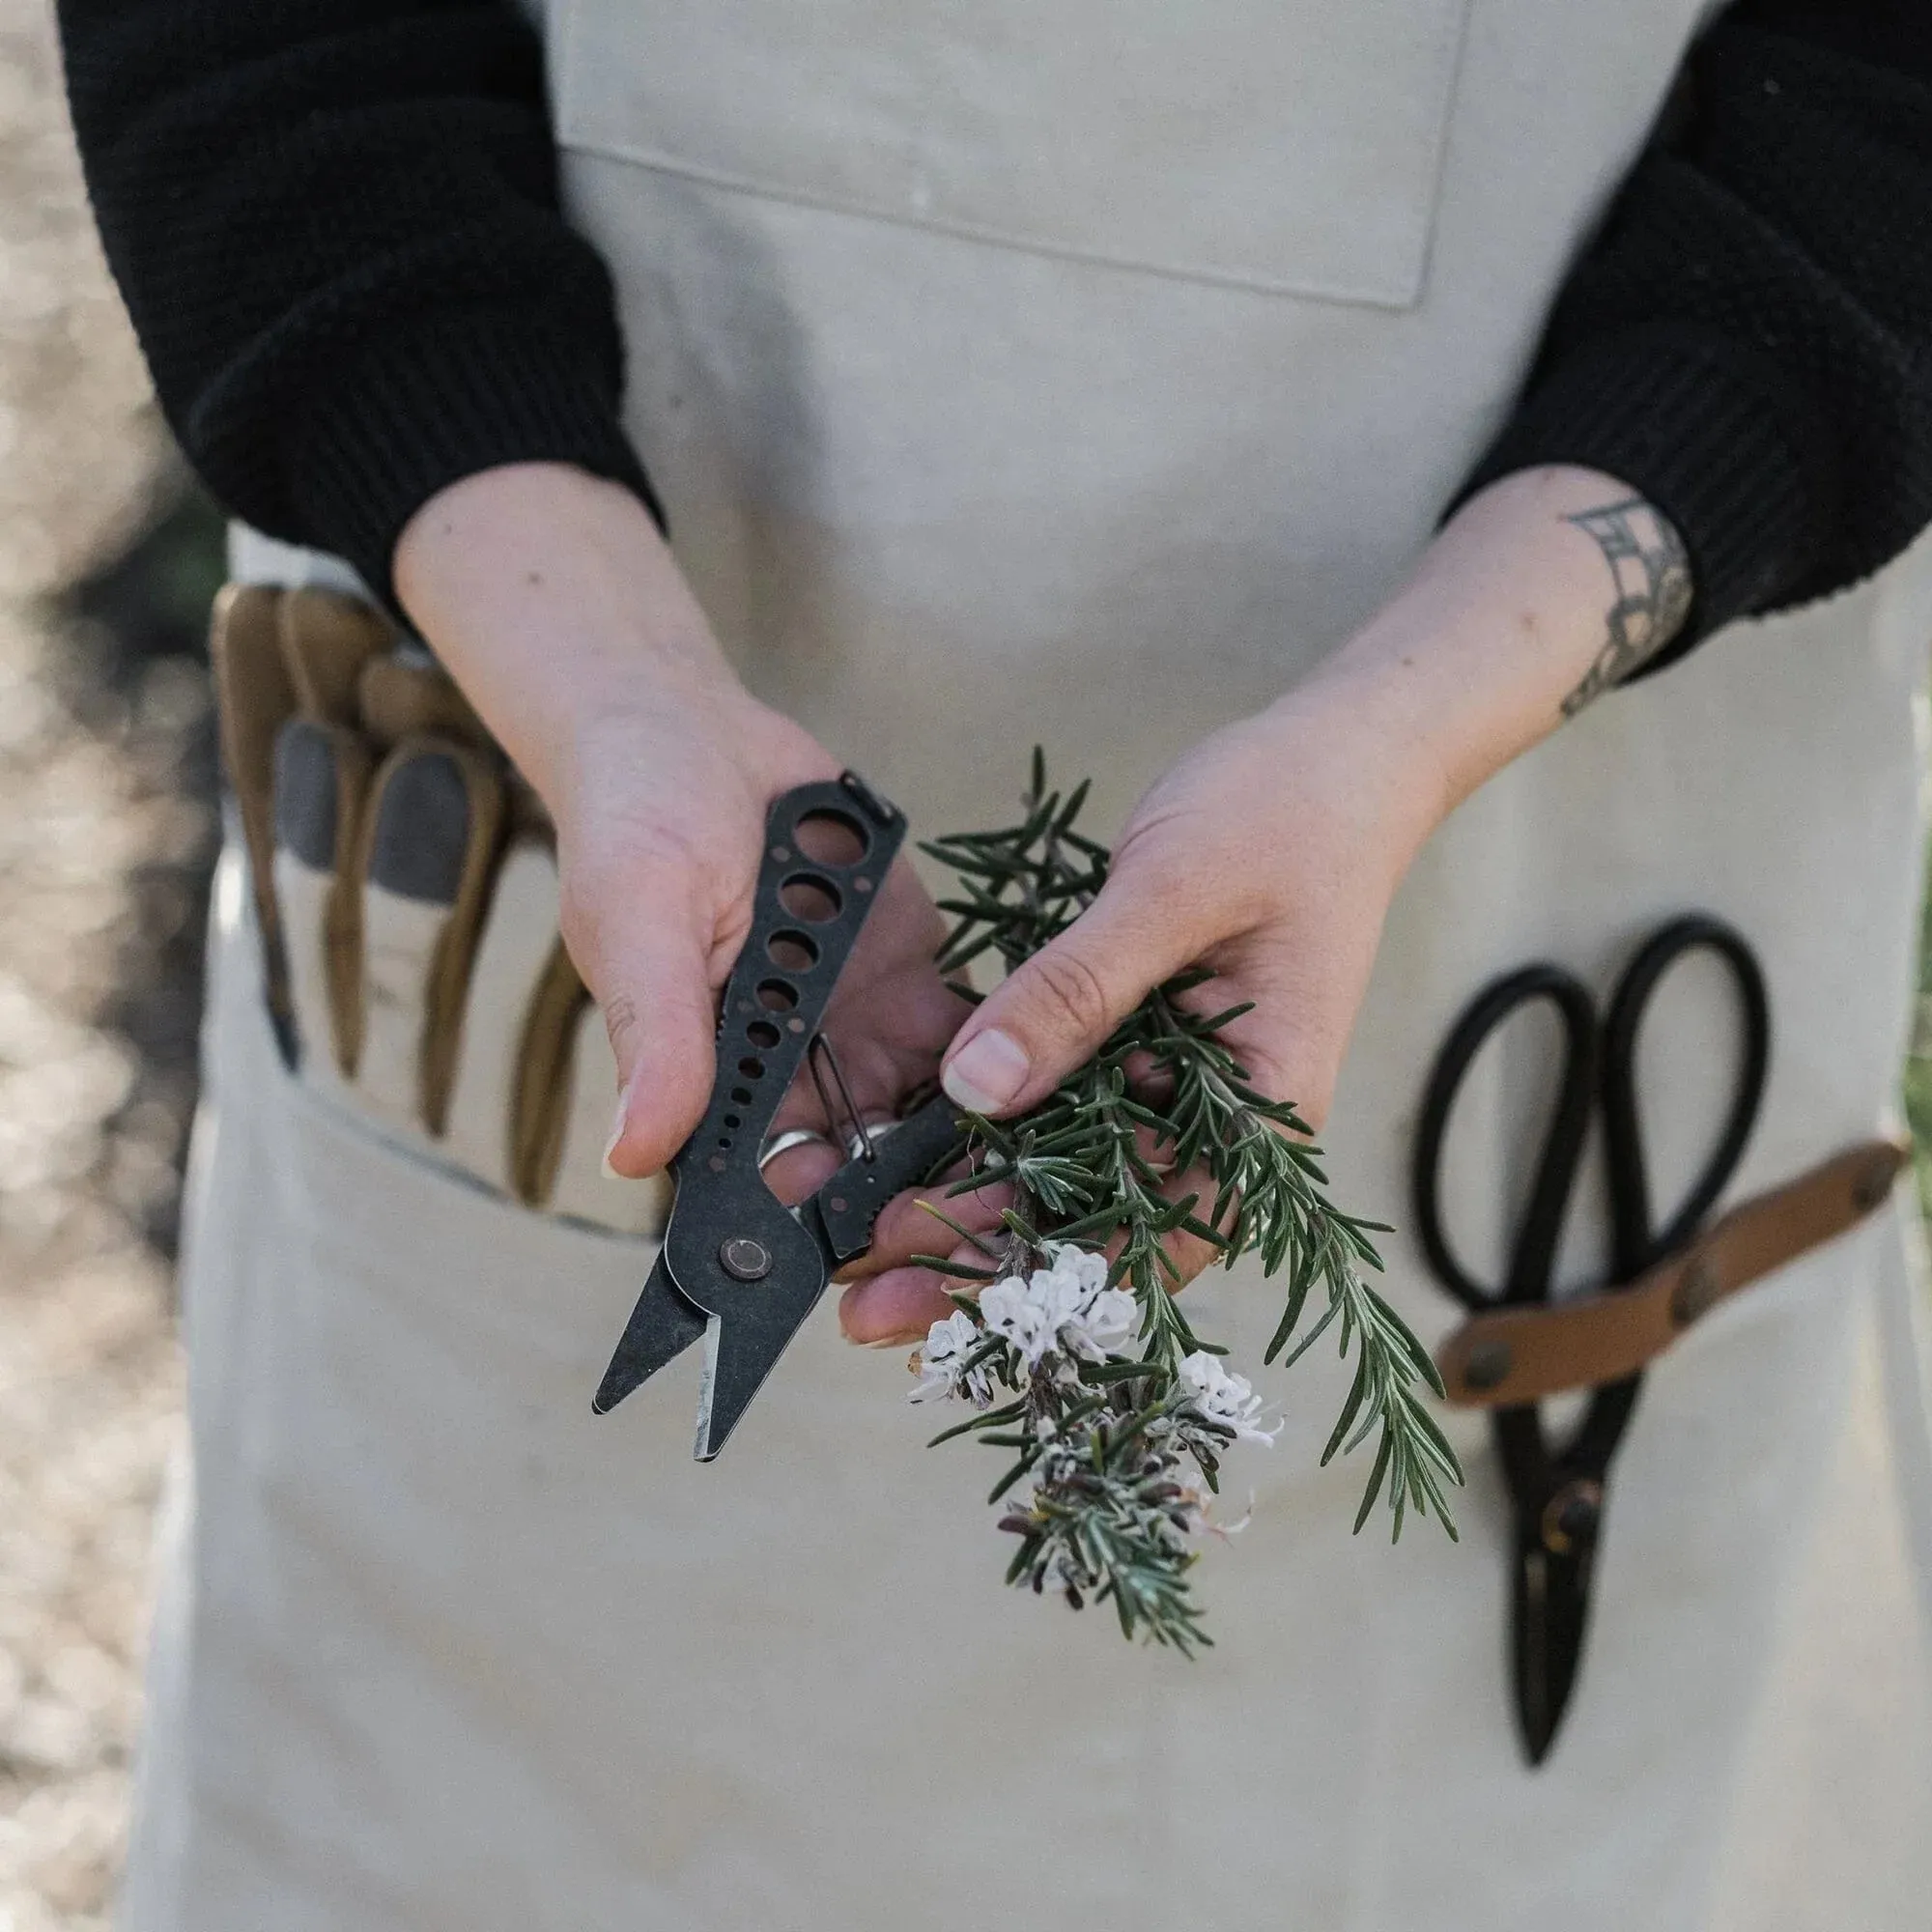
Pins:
<point x="105" y="834"/>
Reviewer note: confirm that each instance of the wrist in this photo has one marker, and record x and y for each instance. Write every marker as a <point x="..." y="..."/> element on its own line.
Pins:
<point x="552" y="599"/>
<point x="1544" y="591"/>
<point x="1353" y="737"/>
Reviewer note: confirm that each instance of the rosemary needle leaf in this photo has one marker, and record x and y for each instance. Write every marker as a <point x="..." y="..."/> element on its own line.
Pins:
<point x="966" y="1235"/>
<point x="958" y="1270"/>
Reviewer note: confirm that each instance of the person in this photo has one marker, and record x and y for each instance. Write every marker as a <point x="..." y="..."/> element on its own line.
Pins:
<point x="1297" y="418"/>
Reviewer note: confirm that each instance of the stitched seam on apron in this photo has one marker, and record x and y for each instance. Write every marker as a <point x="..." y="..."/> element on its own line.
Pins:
<point x="965" y="231"/>
<point x="1439" y="154"/>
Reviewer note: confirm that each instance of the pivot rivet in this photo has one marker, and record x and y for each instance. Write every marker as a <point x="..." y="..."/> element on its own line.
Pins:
<point x="1571" y="1517"/>
<point x="744" y="1259"/>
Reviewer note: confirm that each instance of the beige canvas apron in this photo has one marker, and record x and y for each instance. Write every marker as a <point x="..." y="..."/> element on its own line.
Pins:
<point x="1079" y="374"/>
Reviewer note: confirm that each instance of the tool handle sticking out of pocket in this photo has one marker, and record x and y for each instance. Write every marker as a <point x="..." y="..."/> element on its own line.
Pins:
<point x="738" y="1270"/>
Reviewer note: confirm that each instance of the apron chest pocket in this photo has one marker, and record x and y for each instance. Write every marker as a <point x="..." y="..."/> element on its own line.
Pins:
<point x="1287" y="146"/>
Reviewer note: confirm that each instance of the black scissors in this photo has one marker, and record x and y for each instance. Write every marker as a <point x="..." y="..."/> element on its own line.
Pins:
<point x="739" y="1271"/>
<point x="1558" y="1488"/>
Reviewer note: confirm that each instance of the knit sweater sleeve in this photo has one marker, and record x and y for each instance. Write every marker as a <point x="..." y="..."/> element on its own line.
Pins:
<point x="335" y="225"/>
<point x="1747" y="341"/>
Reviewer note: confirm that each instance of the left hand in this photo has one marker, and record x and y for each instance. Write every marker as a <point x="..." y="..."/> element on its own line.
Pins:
<point x="1271" y="852"/>
<point x="1269" y="855"/>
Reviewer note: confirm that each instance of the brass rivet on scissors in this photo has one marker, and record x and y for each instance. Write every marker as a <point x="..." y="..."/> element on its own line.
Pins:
<point x="1697" y="1288"/>
<point x="1572" y="1514"/>
<point x="1873" y="1184"/>
<point x="1488" y="1363"/>
<point x="744" y="1259"/>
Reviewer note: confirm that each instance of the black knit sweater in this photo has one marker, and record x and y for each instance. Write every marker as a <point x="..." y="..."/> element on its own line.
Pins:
<point x="336" y="226"/>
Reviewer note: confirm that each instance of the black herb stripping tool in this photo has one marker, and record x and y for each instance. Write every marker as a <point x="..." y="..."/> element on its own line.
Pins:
<point x="738" y="1270"/>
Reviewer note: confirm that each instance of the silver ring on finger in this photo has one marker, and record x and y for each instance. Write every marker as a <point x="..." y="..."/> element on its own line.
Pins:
<point x="792" y="1137"/>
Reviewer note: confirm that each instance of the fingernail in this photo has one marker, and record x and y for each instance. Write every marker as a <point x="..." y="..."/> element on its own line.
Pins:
<point x="985" y="1073"/>
<point x="616" y="1134"/>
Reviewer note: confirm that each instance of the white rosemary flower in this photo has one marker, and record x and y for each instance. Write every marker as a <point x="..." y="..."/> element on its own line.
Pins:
<point x="1064" y="1308"/>
<point x="941" y="1362"/>
<point x="1226" y="1401"/>
<point x="1106" y="1325"/>
<point x="1087" y="1269"/>
<point x="1018" y="1312"/>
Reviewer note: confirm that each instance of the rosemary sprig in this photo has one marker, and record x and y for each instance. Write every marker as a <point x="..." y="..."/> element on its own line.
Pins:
<point x="1106" y="1439"/>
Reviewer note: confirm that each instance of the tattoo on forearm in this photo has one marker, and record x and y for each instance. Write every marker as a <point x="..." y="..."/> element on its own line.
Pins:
<point x="1652" y="575"/>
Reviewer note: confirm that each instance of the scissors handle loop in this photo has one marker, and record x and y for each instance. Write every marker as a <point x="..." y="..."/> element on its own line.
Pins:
<point x="1635" y="1241"/>
<point x="1533" y="1254"/>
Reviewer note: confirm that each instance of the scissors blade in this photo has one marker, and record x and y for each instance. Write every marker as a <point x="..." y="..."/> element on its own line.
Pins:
<point x="741" y="1349"/>
<point x="1552" y="1606"/>
<point x="662" y="1327"/>
<point x="743" y="1344"/>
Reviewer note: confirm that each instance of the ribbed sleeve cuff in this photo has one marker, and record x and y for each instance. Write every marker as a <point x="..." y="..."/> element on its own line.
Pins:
<point x="460" y="391"/>
<point x="1705" y="434"/>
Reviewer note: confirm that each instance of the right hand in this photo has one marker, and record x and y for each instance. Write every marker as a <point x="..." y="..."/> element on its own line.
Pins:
<point x="551" y="600"/>
<point x="660" y="834"/>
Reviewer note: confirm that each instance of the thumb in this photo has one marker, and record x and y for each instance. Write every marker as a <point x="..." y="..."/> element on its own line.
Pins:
<point x="1054" y="1013"/>
<point x="645" y="965"/>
